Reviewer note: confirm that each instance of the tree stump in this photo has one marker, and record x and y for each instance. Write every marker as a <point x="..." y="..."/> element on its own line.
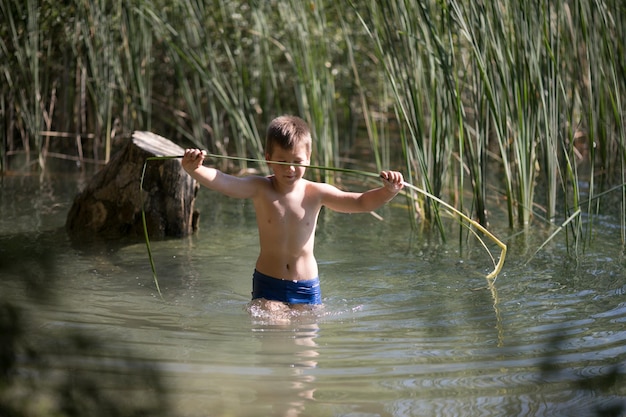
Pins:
<point x="110" y="205"/>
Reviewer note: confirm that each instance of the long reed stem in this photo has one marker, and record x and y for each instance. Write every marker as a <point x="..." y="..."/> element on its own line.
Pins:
<point x="145" y="226"/>
<point x="491" y="275"/>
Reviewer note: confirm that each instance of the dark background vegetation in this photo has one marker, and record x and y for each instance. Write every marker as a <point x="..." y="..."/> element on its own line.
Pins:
<point x="47" y="371"/>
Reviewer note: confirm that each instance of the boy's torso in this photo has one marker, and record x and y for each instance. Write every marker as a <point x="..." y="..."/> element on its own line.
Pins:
<point x="286" y="223"/>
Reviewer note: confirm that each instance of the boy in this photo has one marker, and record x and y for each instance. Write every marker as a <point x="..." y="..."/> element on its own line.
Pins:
<point x="287" y="207"/>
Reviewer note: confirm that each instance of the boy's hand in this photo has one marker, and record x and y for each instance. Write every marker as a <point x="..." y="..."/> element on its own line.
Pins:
<point x="192" y="159"/>
<point x="392" y="180"/>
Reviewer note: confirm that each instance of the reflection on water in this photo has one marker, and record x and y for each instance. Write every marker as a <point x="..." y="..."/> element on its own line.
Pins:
<point x="292" y="351"/>
<point x="407" y="328"/>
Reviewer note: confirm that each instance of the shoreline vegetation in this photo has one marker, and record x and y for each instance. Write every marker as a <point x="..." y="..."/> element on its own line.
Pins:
<point x="490" y="105"/>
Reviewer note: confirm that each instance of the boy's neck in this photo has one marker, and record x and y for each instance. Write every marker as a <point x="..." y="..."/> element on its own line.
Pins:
<point x="285" y="188"/>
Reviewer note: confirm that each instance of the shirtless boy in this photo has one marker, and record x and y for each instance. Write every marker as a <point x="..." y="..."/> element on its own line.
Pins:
<point x="287" y="207"/>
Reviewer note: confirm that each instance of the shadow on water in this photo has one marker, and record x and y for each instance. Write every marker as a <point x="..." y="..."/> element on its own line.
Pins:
<point x="599" y="379"/>
<point x="48" y="370"/>
<point x="599" y="386"/>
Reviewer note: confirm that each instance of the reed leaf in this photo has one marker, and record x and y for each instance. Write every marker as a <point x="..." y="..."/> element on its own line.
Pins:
<point x="397" y="36"/>
<point x="22" y="46"/>
<point x="308" y="41"/>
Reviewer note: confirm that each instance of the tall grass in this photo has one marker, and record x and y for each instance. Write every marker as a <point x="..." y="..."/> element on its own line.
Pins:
<point x="219" y="56"/>
<point x="21" y="45"/>
<point x="307" y="43"/>
<point x="508" y="85"/>
<point x="408" y="69"/>
<point x="97" y="59"/>
<point x="500" y="107"/>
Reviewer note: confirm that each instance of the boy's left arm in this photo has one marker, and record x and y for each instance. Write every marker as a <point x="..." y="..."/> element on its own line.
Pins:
<point x="347" y="202"/>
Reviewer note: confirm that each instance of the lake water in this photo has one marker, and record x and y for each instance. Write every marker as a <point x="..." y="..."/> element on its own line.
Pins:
<point x="410" y="326"/>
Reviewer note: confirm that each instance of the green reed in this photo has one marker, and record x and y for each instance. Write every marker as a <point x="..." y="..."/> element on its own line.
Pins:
<point x="212" y="51"/>
<point x="403" y="65"/>
<point x="96" y="56"/>
<point x="21" y="45"/>
<point x="307" y="42"/>
<point x="501" y="84"/>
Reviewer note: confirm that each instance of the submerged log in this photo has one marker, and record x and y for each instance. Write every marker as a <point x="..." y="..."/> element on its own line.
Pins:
<point x="110" y="205"/>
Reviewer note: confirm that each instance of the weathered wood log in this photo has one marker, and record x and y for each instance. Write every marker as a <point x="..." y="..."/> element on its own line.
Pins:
<point x="110" y="205"/>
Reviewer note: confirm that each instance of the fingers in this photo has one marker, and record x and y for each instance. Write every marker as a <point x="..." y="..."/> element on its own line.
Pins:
<point x="192" y="159"/>
<point x="394" y="177"/>
<point x="193" y="154"/>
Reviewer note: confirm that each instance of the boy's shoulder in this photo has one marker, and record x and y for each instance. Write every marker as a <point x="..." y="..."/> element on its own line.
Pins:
<point x="321" y="188"/>
<point x="320" y="185"/>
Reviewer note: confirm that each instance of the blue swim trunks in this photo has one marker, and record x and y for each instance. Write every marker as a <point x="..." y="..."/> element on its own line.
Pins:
<point x="298" y="292"/>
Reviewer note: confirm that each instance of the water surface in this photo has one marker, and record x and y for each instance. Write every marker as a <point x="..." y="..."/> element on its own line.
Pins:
<point x="410" y="326"/>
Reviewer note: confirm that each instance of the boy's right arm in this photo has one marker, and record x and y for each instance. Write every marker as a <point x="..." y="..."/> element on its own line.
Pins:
<point x="237" y="187"/>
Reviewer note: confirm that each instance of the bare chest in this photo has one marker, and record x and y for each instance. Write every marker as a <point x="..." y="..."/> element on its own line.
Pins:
<point x="289" y="210"/>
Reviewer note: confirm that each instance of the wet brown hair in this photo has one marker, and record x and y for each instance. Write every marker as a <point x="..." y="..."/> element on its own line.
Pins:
<point x="287" y="132"/>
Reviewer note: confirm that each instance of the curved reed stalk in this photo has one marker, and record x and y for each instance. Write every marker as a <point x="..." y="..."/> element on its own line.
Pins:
<point x="492" y="275"/>
<point x="143" y="221"/>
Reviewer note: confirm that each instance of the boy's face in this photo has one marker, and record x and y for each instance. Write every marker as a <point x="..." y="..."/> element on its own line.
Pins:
<point x="288" y="174"/>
